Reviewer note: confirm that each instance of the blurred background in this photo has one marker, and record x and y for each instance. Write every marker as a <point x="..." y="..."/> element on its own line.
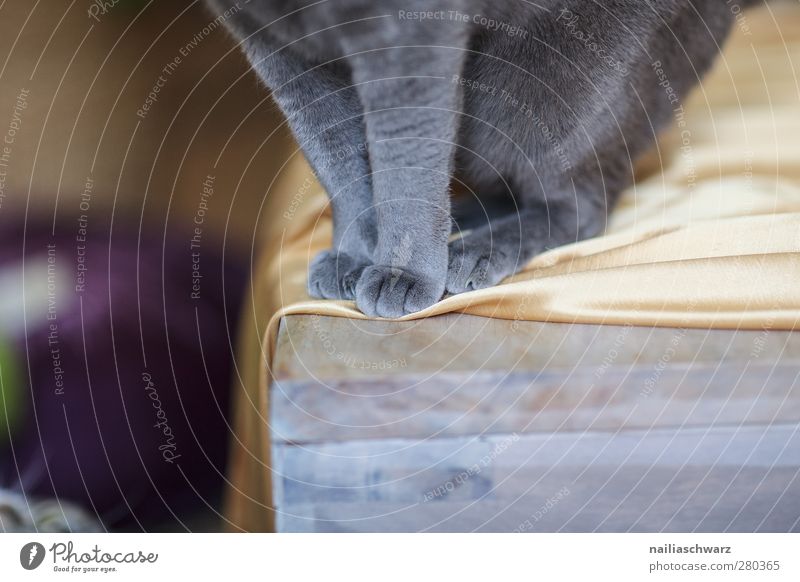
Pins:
<point x="137" y="148"/>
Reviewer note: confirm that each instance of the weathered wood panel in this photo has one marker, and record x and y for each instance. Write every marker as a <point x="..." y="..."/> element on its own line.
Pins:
<point x="469" y="375"/>
<point x="461" y="423"/>
<point x="722" y="479"/>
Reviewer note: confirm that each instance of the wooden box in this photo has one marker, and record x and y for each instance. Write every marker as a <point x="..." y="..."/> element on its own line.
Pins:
<point x="461" y="423"/>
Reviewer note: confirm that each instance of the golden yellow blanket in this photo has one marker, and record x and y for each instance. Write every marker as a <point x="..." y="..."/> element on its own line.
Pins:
<point x="709" y="236"/>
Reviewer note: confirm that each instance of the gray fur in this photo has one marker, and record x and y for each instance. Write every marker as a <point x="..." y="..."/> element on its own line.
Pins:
<point x="549" y="104"/>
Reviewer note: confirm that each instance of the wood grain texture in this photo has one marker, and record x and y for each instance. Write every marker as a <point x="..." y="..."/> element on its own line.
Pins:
<point x="459" y="375"/>
<point x="460" y="423"/>
<point x="723" y="479"/>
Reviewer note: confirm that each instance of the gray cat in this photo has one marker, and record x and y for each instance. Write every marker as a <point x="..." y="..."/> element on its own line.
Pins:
<point x="545" y="103"/>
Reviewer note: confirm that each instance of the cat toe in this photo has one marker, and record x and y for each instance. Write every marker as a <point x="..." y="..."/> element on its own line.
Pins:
<point x="391" y="292"/>
<point x="472" y="269"/>
<point x="333" y="275"/>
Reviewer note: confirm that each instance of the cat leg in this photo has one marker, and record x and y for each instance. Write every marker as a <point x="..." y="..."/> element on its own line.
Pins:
<point x="324" y="111"/>
<point x="489" y="254"/>
<point x="411" y="112"/>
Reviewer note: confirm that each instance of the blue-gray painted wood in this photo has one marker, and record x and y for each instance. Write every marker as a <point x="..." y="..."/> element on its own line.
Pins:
<point x="706" y="439"/>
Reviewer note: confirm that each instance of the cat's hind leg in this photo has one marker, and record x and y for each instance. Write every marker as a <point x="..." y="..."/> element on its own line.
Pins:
<point x="487" y="255"/>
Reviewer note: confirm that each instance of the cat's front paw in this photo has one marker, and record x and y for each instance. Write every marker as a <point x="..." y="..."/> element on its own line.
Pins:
<point x="391" y="292"/>
<point x="477" y="266"/>
<point x="333" y="275"/>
